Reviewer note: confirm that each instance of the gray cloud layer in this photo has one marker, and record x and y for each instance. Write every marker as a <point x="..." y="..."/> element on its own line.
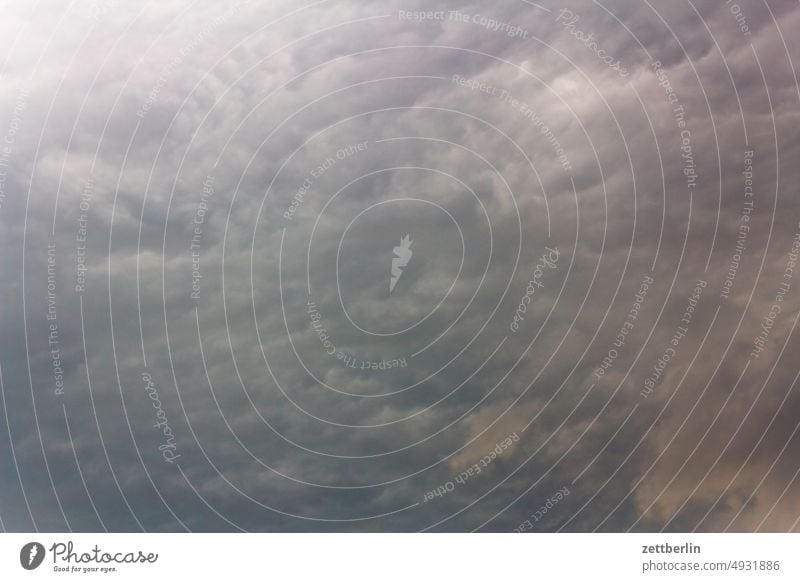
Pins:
<point x="181" y="181"/>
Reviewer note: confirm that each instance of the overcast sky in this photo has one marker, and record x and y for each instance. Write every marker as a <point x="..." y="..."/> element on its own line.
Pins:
<point x="399" y="266"/>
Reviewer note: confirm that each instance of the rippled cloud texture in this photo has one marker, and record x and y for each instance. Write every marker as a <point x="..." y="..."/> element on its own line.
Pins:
<point x="399" y="266"/>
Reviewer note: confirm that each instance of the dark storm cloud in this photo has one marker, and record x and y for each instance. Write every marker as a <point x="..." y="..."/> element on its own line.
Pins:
<point x="151" y="126"/>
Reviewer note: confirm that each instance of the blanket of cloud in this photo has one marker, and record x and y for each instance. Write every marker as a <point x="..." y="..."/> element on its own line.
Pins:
<point x="399" y="266"/>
